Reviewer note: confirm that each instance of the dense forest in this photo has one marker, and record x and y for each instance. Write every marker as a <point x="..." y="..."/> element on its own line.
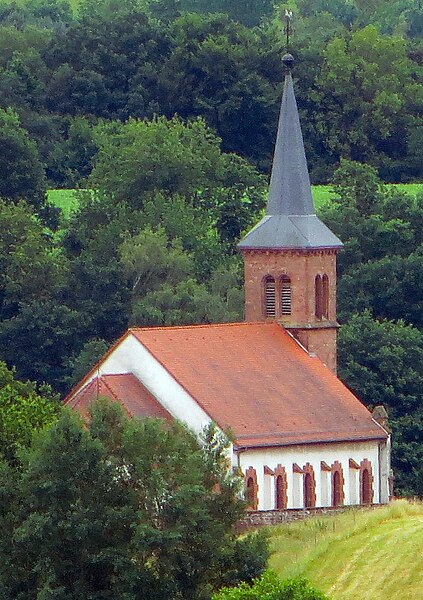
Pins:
<point x="358" y="66"/>
<point x="165" y="119"/>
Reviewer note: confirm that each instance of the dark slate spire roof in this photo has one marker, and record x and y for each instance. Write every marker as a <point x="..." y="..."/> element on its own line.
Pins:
<point x="290" y="220"/>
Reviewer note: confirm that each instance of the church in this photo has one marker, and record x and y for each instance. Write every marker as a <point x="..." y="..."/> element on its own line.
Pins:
<point x="301" y="439"/>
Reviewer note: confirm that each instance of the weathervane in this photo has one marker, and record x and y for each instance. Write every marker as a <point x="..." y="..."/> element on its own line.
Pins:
<point x="288" y="27"/>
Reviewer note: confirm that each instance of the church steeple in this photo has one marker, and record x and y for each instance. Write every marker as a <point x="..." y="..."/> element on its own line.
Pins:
<point x="290" y="220"/>
<point x="289" y="191"/>
<point x="290" y="255"/>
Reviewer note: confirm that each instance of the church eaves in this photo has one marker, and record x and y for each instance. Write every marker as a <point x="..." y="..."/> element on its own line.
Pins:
<point x="290" y="220"/>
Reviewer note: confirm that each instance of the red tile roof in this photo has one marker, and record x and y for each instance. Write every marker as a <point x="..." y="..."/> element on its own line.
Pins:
<point x="124" y="388"/>
<point x="257" y="380"/>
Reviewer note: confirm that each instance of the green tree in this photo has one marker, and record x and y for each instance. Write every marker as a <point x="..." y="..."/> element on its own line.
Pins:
<point x="34" y="274"/>
<point x="32" y="266"/>
<point x="366" y="86"/>
<point x="229" y="75"/>
<point x="381" y="361"/>
<point x="122" y="508"/>
<point x="9" y="508"/>
<point x="359" y="185"/>
<point x="249" y="12"/>
<point x="121" y="73"/>
<point x="164" y="288"/>
<point x="141" y="157"/>
<point x="24" y="408"/>
<point x="90" y="353"/>
<point x="269" y="586"/>
<point x="390" y="287"/>
<point x="55" y="331"/>
<point x="21" y="171"/>
<point x="373" y="221"/>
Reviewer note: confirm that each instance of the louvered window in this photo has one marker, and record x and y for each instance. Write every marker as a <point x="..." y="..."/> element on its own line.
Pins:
<point x="318" y="291"/>
<point x="325" y="296"/>
<point x="269" y="297"/>
<point x="285" y="295"/>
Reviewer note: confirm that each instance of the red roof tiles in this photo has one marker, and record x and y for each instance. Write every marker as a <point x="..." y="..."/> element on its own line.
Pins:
<point x="124" y="388"/>
<point x="256" y="379"/>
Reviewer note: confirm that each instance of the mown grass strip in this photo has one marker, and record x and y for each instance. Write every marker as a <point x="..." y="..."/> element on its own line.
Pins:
<point x="373" y="554"/>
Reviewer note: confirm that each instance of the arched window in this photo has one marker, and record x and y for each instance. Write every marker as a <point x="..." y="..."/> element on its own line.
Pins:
<point x="309" y="487"/>
<point x="337" y="484"/>
<point x="336" y="489"/>
<point x="318" y="297"/>
<point x="281" y="499"/>
<point x="365" y="487"/>
<point x="325" y="296"/>
<point x="285" y="295"/>
<point x="307" y="490"/>
<point x="269" y="297"/>
<point x="366" y="482"/>
<point x="250" y="495"/>
<point x="251" y="489"/>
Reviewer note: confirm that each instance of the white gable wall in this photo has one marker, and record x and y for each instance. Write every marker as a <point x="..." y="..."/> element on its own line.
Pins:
<point x="130" y="356"/>
<point x="314" y="454"/>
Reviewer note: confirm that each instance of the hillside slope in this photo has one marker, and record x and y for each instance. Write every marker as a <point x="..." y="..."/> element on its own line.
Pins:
<point x="361" y="554"/>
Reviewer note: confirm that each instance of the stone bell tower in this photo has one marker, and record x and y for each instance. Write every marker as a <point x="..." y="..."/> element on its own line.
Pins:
<point x="290" y="255"/>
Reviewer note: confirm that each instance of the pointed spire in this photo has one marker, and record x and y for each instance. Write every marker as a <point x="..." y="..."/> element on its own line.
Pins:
<point x="290" y="220"/>
<point x="290" y="190"/>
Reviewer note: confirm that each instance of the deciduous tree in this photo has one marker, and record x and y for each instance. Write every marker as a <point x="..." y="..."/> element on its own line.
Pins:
<point x="25" y="408"/>
<point x="122" y="508"/>
<point x="21" y="171"/>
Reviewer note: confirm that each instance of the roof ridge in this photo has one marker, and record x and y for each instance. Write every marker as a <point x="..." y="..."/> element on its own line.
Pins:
<point x="201" y="326"/>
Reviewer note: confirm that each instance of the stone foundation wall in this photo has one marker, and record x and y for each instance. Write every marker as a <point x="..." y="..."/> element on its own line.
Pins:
<point x="260" y="518"/>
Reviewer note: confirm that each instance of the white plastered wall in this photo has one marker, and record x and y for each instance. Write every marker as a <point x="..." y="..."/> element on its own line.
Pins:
<point x="130" y="356"/>
<point x="374" y="451"/>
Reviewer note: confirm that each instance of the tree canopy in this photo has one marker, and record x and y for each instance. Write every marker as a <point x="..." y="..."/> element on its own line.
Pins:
<point x="25" y="408"/>
<point x="123" y="508"/>
<point x="21" y="170"/>
<point x="358" y="76"/>
<point x="380" y="306"/>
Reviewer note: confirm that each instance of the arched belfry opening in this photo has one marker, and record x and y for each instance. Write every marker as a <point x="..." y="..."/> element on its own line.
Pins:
<point x="290" y="255"/>
<point x="325" y="296"/>
<point x="321" y="296"/>
<point x="318" y="297"/>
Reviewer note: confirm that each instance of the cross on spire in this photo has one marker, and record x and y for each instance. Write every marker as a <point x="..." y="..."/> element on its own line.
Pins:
<point x="288" y="27"/>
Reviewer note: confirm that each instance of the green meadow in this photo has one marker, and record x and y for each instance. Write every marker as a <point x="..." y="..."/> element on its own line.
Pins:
<point x="362" y="554"/>
<point x="67" y="200"/>
<point x="324" y="193"/>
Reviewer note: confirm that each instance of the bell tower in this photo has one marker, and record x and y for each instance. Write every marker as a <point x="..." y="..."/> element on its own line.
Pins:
<point x="290" y="255"/>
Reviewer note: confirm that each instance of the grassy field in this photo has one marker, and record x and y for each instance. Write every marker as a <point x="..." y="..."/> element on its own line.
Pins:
<point x="66" y="200"/>
<point x="357" y="555"/>
<point x="323" y="193"/>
